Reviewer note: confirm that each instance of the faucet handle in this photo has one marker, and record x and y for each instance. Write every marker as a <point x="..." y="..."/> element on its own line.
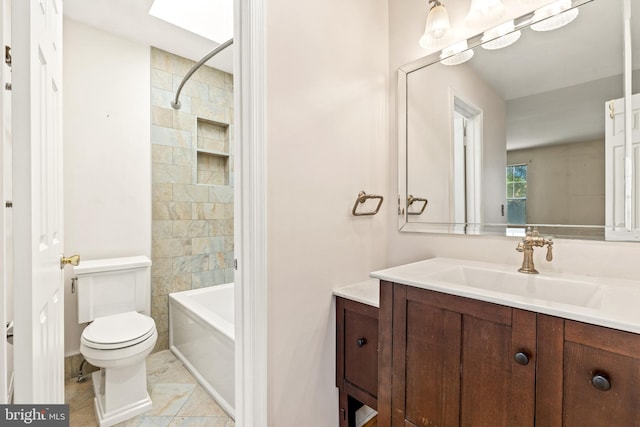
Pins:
<point x="549" y="250"/>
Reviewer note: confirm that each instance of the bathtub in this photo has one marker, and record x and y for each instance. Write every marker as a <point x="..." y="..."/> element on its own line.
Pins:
<point x="201" y="335"/>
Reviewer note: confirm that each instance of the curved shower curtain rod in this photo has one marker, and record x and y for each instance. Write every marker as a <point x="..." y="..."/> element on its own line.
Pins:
<point x="176" y="103"/>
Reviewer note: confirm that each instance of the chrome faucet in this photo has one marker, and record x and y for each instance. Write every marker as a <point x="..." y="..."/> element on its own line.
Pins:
<point x="526" y="245"/>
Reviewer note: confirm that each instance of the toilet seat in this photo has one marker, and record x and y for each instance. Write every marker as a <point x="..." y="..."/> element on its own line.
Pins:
<point x="118" y="331"/>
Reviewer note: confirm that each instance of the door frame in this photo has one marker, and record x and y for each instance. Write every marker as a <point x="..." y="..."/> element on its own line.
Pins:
<point x="251" y="222"/>
<point x="6" y="302"/>
<point x="472" y="162"/>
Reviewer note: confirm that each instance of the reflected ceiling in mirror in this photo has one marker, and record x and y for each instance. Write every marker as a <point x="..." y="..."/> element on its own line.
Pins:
<point x="540" y="104"/>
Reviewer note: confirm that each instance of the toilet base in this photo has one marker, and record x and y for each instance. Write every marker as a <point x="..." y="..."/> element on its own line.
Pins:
<point x="106" y="388"/>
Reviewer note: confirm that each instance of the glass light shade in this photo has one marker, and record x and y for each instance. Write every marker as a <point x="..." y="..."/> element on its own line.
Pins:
<point x="456" y="54"/>
<point x="437" y="22"/>
<point x="483" y="11"/>
<point x="433" y="44"/>
<point x="554" y="16"/>
<point x="500" y="36"/>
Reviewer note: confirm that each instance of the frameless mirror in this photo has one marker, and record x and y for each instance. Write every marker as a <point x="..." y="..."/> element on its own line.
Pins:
<point x="530" y="134"/>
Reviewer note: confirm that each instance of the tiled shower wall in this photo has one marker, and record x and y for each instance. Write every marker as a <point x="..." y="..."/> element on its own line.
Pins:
<point x="192" y="167"/>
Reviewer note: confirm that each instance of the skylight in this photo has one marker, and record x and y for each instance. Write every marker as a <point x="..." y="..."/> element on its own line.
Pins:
<point x="212" y="19"/>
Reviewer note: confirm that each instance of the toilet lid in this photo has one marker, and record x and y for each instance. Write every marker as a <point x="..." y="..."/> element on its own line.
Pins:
<point x="118" y="331"/>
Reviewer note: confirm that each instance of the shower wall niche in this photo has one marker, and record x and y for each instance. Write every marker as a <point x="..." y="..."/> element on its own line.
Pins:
<point x="212" y="153"/>
<point x="192" y="167"/>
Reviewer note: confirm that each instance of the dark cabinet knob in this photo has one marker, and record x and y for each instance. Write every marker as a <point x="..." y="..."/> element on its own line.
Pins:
<point x="521" y="358"/>
<point x="361" y="341"/>
<point x="601" y="382"/>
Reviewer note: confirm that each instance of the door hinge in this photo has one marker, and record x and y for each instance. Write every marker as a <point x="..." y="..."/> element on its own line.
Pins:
<point x="7" y="86"/>
<point x="9" y="332"/>
<point x="235" y="264"/>
<point x="7" y="55"/>
<point x="8" y="204"/>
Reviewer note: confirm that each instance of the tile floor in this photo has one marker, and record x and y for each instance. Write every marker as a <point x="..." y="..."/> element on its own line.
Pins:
<point x="178" y="399"/>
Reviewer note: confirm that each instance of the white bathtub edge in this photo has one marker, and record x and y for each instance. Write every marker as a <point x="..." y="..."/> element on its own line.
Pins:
<point x="202" y="313"/>
<point x="204" y="383"/>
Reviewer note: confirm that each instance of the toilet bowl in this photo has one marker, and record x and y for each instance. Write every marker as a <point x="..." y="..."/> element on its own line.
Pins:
<point x="118" y="345"/>
<point x="118" y="340"/>
<point x="114" y="296"/>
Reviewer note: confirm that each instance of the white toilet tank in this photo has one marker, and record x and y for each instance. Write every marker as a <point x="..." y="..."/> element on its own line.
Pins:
<point x="113" y="286"/>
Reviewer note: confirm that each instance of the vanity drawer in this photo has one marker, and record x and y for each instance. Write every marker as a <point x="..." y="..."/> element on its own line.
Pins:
<point x="601" y="376"/>
<point x="357" y="349"/>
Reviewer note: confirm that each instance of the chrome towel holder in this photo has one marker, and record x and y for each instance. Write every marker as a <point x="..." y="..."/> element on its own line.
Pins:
<point x="362" y="198"/>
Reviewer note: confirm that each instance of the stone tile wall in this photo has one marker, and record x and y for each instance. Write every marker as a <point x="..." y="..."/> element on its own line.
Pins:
<point x="192" y="167"/>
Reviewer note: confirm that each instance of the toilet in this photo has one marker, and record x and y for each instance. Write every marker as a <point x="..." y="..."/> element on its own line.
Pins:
<point x="115" y="296"/>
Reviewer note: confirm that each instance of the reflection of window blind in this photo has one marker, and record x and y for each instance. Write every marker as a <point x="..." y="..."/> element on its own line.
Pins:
<point x="516" y="177"/>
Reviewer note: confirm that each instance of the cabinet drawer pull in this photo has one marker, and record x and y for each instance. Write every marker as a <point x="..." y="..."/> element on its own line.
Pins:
<point x="601" y="382"/>
<point x="521" y="358"/>
<point x="361" y="341"/>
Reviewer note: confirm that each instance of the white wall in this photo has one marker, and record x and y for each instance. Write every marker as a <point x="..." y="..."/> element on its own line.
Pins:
<point x="107" y="152"/>
<point x="565" y="182"/>
<point x="406" y="25"/>
<point x="327" y="140"/>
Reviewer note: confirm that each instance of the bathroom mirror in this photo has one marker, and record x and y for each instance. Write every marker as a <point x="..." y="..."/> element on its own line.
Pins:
<point x="516" y="136"/>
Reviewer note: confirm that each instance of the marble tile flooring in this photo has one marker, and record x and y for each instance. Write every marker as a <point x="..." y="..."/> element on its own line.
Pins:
<point x="178" y="399"/>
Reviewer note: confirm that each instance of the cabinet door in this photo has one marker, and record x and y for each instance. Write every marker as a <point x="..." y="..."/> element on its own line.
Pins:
<point x="601" y="376"/>
<point x="357" y="350"/>
<point x="454" y="361"/>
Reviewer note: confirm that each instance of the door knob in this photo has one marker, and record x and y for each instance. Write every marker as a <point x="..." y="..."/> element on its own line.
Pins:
<point x="73" y="260"/>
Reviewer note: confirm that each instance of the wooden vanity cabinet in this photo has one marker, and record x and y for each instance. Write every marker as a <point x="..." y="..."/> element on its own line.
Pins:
<point x="452" y="361"/>
<point x="455" y="363"/>
<point x="356" y="357"/>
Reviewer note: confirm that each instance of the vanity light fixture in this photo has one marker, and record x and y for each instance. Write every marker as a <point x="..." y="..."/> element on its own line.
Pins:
<point x="554" y="15"/>
<point x="456" y="54"/>
<point x="501" y="36"/>
<point x="437" y="25"/>
<point x="482" y="12"/>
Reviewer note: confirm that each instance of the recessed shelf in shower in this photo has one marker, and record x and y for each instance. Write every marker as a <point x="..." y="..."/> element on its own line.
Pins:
<point x="212" y="152"/>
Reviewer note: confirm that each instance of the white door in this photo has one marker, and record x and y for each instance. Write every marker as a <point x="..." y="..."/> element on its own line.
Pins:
<point x="37" y="202"/>
<point x="622" y="177"/>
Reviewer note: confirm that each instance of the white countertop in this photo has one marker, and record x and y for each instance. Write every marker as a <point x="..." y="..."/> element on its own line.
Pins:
<point x="367" y="292"/>
<point x="617" y="305"/>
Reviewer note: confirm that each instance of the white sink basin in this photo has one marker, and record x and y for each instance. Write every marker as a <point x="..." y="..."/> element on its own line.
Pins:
<point x="550" y="289"/>
<point x="604" y="301"/>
